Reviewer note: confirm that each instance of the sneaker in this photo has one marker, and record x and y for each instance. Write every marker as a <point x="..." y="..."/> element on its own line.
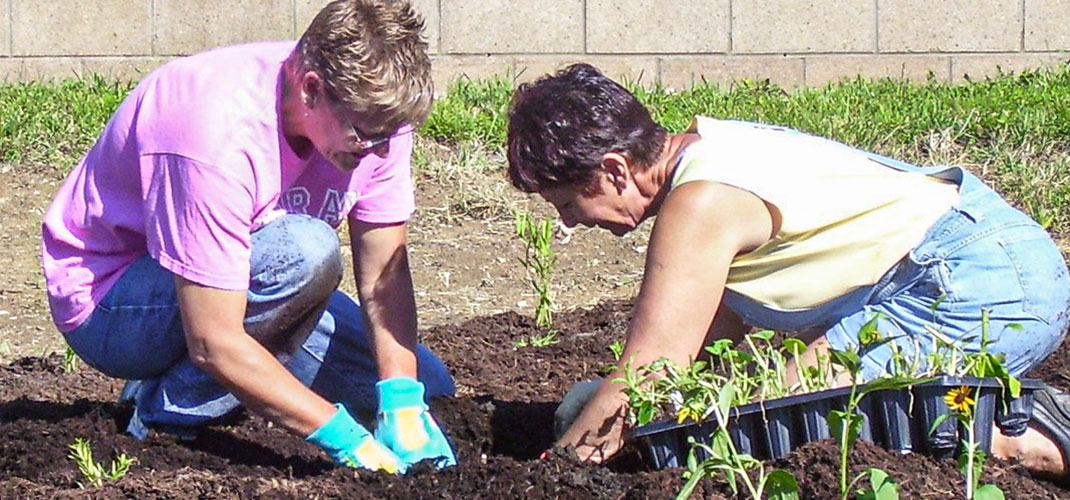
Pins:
<point x="1051" y="413"/>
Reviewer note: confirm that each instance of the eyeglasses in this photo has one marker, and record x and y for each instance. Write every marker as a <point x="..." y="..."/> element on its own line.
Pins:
<point x="371" y="143"/>
<point x="362" y="142"/>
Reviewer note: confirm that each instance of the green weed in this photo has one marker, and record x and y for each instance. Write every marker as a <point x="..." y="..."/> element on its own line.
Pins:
<point x="70" y="361"/>
<point x="95" y="473"/>
<point x="617" y="349"/>
<point x="547" y="339"/>
<point x="539" y="259"/>
<point x="55" y="123"/>
<point x="1011" y="127"/>
<point x="472" y="110"/>
<point x="889" y="115"/>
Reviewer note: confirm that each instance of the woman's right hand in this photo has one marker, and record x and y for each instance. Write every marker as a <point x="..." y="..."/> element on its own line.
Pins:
<point x="349" y="443"/>
<point x="598" y="433"/>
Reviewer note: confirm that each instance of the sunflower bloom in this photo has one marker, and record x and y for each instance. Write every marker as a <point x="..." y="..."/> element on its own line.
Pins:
<point x="960" y="399"/>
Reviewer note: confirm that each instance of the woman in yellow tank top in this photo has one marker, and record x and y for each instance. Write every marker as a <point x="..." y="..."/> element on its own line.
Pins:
<point x="764" y="226"/>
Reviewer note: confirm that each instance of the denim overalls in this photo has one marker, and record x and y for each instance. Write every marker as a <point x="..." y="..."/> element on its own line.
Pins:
<point x="981" y="254"/>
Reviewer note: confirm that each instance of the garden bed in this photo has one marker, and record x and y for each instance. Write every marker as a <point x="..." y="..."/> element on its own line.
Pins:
<point x="500" y="421"/>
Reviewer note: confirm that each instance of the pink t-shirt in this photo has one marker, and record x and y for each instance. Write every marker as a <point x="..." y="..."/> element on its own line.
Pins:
<point x="189" y="165"/>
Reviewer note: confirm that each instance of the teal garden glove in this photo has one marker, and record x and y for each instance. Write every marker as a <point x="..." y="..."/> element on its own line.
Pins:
<point x="406" y="427"/>
<point x="349" y="443"/>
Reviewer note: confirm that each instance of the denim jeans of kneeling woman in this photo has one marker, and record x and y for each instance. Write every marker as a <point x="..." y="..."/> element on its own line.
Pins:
<point x="981" y="255"/>
<point x="293" y="309"/>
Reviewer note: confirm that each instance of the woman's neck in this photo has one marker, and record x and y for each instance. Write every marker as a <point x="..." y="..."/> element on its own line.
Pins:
<point x="657" y="180"/>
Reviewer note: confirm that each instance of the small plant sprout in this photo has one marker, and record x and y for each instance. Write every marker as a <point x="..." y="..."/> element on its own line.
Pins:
<point x="547" y="339"/>
<point x="961" y="403"/>
<point x="95" y="473"/>
<point x="846" y="424"/>
<point x="770" y="365"/>
<point x="70" y="360"/>
<point x="813" y="377"/>
<point x="617" y="349"/>
<point x="539" y="260"/>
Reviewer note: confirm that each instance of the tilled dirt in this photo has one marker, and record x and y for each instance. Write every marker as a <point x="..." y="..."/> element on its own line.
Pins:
<point x="499" y="426"/>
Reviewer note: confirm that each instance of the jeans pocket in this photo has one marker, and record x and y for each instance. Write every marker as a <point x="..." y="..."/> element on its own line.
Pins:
<point x="1041" y="273"/>
<point x="925" y="280"/>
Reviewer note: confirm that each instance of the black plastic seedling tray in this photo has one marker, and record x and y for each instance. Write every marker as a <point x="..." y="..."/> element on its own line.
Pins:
<point x="898" y="420"/>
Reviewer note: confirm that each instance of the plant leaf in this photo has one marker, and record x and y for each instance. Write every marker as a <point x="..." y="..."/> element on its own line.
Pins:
<point x="988" y="492"/>
<point x="781" y="485"/>
<point x="720" y="448"/>
<point x="765" y="335"/>
<point x="794" y="345"/>
<point x="689" y="486"/>
<point x="846" y="359"/>
<point x="869" y="334"/>
<point x="937" y="421"/>
<point x="837" y="419"/>
<point x="718" y="348"/>
<point x="892" y="383"/>
<point x="724" y="400"/>
<point x="883" y="487"/>
<point x="645" y="414"/>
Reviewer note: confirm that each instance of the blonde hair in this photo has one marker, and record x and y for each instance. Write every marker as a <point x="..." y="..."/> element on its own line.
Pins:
<point x="372" y="58"/>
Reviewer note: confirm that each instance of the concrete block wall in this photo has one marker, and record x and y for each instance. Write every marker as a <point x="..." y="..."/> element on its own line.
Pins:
<point x="791" y="42"/>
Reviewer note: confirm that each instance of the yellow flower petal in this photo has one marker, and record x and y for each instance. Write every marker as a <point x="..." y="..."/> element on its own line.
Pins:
<point x="960" y="399"/>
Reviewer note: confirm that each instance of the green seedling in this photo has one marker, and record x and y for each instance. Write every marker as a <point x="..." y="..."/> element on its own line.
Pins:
<point x="70" y="360"/>
<point x="617" y="349"/>
<point x="731" y="377"/>
<point x="539" y="260"/>
<point x="811" y="378"/>
<point x="770" y="365"/>
<point x="961" y="402"/>
<point x="95" y="473"/>
<point x="738" y="366"/>
<point x="846" y="424"/>
<point x="547" y="339"/>
<point x="700" y="393"/>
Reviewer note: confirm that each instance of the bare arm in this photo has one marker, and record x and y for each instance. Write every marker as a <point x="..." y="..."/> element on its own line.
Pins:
<point x="384" y="284"/>
<point x="700" y="228"/>
<point x="219" y="345"/>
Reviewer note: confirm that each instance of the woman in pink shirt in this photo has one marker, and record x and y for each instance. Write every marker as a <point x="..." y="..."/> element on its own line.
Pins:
<point x="193" y="250"/>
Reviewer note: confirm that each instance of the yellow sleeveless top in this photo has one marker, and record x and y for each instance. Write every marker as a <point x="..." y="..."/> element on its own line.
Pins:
<point x="846" y="218"/>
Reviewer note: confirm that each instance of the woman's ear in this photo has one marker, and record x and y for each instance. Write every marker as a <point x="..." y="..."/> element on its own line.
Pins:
<point x="311" y="88"/>
<point x="617" y="170"/>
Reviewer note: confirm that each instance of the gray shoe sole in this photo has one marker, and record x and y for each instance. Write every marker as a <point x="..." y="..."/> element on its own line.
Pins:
<point x="1051" y="413"/>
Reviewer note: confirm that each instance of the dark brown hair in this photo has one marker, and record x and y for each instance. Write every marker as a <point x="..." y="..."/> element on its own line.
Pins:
<point x="560" y="126"/>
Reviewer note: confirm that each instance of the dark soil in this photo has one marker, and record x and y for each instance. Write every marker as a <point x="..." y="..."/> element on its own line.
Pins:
<point x="498" y="430"/>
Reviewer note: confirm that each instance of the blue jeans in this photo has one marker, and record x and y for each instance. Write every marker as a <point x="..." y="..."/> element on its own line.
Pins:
<point x="981" y="254"/>
<point x="293" y="309"/>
